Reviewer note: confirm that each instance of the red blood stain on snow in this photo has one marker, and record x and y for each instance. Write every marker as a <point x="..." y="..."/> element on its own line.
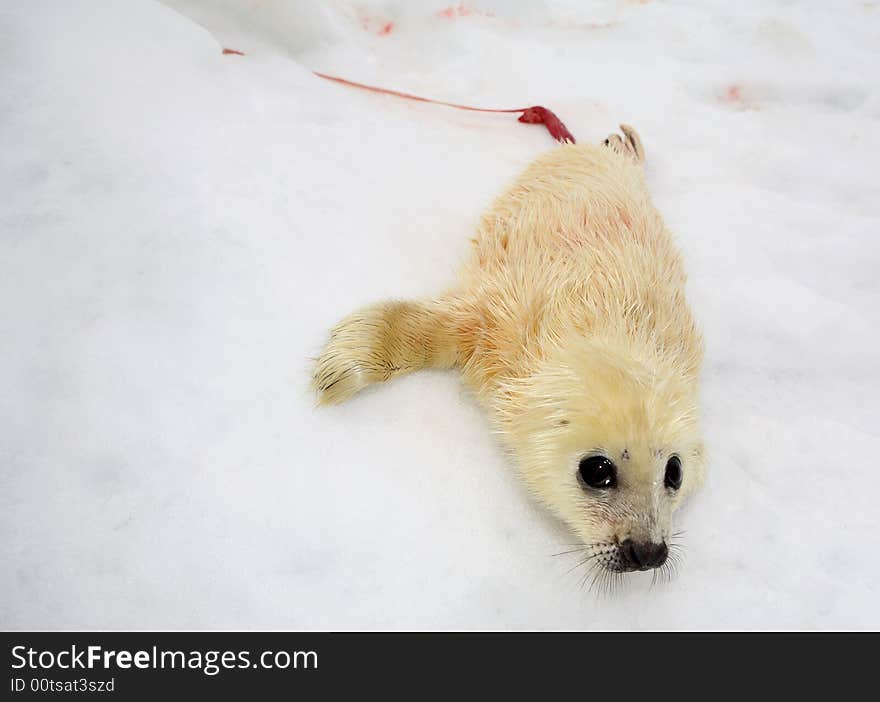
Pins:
<point x="460" y="10"/>
<point x="450" y="12"/>
<point x="734" y="96"/>
<point x="379" y="26"/>
<point x="530" y="115"/>
<point x="233" y="51"/>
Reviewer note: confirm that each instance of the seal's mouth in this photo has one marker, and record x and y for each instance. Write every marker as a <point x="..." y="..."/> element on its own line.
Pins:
<point x="603" y="565"/>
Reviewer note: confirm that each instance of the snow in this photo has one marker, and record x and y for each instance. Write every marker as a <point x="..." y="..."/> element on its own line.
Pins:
<point x="180" y="228"/>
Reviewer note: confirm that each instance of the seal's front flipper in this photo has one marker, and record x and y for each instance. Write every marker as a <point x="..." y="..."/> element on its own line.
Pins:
<point x="380" y="342"/>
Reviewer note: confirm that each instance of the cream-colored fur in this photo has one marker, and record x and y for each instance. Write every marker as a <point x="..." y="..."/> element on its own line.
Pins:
<point x="570" y="323"/>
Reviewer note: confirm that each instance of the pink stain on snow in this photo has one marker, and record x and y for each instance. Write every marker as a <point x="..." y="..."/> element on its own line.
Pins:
<point x="375" y="25"/>
<point x="734" y="96"/>
<point x="460" y="10"/>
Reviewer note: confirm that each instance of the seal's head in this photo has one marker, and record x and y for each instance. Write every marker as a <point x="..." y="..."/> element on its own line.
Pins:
<point x="608" y="438"/>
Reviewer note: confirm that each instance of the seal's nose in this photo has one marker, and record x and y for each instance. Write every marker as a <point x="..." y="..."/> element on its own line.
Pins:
<point x="645" y="555"/>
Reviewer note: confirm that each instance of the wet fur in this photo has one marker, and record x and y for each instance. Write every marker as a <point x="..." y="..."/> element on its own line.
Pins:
<point x="570" y="323"/>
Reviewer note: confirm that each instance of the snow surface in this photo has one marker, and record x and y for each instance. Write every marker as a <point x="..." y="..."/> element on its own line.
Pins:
<point x="180" y="228"/>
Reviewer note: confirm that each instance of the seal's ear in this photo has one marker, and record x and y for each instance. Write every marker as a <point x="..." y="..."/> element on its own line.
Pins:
<point x="696" y="465"/>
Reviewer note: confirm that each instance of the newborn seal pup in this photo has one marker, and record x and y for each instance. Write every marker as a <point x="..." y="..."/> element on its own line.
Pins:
<point x="570" y="324"/>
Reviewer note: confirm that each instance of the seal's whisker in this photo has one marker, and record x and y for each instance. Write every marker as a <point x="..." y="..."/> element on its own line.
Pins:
<point x="587" y="571"/>
<point x="672" y="565"/>
<point x="578" y="565"/>
<point x="596" y="577"/>
<point x="608" y="586"/>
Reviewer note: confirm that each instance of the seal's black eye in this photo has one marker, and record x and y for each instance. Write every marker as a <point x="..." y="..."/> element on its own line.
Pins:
<point x="597" y="472"/>
<point x="673" y="473"/>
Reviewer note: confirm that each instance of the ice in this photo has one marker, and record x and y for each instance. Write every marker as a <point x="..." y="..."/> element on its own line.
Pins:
<point x="181" y="228"/>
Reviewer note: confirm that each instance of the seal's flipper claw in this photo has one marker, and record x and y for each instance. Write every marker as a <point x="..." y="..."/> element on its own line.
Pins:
<point x="630" y="146"/>
<point x="634" y="143"/>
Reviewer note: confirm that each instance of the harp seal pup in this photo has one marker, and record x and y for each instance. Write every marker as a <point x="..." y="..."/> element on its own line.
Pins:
<point x="569" y="321"/>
